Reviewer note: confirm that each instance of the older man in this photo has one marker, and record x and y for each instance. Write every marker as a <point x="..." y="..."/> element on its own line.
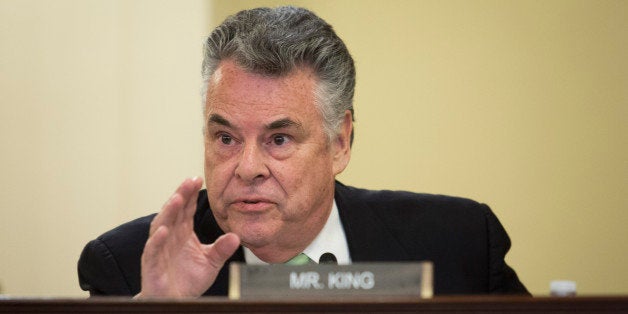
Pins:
<point x="278" y="128"/>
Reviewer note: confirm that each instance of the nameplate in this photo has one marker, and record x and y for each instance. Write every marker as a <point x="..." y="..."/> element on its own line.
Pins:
<point x="328" y="280"/>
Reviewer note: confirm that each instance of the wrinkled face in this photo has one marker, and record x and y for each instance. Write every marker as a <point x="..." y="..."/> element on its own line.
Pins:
<point x="269" y="165"/>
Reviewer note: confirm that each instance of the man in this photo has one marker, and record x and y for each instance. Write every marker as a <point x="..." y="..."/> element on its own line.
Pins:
<point x="278" y="129"/>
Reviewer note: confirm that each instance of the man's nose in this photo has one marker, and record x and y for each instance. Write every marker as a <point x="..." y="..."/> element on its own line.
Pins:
<point x="252" y="165"/>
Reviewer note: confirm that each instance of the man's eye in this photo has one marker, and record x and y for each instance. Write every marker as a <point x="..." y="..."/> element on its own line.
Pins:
<point x="226" y="139"/>
<point x="279" y="139"/>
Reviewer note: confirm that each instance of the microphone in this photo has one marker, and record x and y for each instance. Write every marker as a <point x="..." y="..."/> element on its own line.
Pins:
<point x="328" y="258"/>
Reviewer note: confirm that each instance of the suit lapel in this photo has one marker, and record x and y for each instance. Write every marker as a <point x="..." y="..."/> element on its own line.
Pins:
<point x="368" y="239"/>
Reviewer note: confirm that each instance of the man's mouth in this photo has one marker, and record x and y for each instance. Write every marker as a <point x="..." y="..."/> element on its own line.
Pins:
<point x="252" y="204"/>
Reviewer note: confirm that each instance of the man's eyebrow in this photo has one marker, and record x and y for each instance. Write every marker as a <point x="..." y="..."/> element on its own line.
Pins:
<point x="283" y="123"/>
<point x="218" y="119"/>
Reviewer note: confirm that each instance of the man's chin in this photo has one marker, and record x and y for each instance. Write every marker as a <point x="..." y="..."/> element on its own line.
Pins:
<point x="253" y="240"/>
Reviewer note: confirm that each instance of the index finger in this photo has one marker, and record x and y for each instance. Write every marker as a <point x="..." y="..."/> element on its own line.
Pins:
<point x="173" y="208"/>
<point x="186" y="214"/>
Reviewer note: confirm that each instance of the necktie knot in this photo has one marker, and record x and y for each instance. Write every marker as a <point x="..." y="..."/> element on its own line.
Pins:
<point x="300" y="259"/>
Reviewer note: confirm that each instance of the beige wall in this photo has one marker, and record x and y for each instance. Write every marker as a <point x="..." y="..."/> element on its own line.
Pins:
<point x="519" y="104"/>
<point x="100" y="112"/>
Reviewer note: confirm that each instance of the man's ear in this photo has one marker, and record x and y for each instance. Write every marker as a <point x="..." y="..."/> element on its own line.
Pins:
<point x="342" y="144"/>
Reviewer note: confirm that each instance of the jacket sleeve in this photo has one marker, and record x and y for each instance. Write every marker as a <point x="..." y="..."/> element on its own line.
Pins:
<point x="111" y="264"/>
<point x="502" y="278"/>
<point x="99" y="272"/>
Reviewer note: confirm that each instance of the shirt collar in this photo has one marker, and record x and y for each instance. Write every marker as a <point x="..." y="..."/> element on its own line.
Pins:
<point x="331" y="239"/>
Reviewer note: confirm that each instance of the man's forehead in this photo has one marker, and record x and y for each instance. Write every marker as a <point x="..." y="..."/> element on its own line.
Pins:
<point x="237" y="99"/>
<point x="232" y="85"/>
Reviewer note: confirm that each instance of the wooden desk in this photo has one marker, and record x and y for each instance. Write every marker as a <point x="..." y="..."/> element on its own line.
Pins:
<point x="462" y="304"/>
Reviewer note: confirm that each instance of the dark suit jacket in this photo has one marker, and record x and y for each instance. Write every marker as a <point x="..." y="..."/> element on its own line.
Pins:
<point x="463" y="238"/>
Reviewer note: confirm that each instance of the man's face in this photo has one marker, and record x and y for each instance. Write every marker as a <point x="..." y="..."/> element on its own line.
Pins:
<point x="269" y="165"/>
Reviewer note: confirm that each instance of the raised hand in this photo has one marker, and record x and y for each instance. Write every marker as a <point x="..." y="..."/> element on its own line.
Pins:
<point x="175" y="263"/>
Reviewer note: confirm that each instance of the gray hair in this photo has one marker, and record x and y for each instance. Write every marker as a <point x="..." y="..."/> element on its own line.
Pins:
<point x="274" y="41"/>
